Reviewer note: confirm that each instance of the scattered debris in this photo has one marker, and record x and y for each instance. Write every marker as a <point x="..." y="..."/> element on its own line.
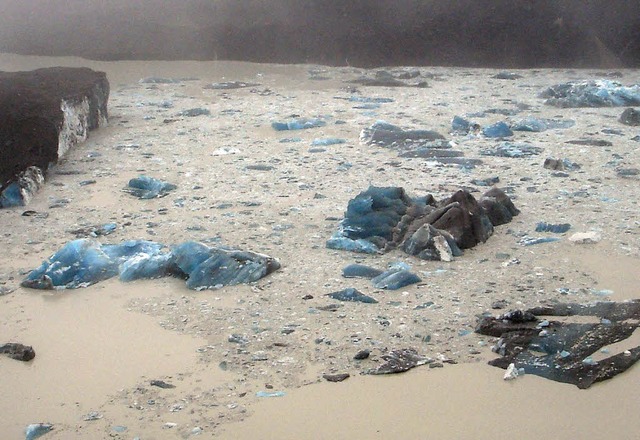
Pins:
<point x="399" y="361"/>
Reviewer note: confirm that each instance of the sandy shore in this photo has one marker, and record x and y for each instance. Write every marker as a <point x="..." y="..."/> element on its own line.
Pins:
<point x="98" y="348"/>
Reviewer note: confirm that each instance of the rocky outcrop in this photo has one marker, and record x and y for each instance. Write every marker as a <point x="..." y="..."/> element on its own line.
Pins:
<point x="44" y="113"/>
<point x="380" y="219"/>
<point x="562" y="351"/>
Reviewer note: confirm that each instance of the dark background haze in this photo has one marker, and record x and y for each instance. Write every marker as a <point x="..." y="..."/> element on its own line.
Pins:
<point x="496" y="33"/>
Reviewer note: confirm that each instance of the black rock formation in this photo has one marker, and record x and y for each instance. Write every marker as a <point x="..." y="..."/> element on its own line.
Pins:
<point x="561" y="351"/>
<point x="42" y="114"/>
<point x="381" y="219"/>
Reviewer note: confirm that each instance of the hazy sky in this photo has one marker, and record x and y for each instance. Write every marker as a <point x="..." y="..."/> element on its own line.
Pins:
<point x="54" y="25"/>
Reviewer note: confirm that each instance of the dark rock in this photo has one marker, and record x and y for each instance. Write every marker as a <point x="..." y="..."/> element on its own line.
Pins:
<point x="336" y="377"/>
<point x="630" y="116"/>
<point x="330" y="307"/>
<point x="193" y="112"/>
<point x="351" y="294"/>
<point x="94" y="231"/>
<point x="461" y="161"/>
<point x="398" y="361"/>
<point x="555" y="228"/>
<point x="17" y="351"/>
<point x="507" y="75"/>
<point x="362" y="354"/>
<point x="259" y="167"/>
<point x="395" y="279"/>
<point x="432" y="153"/>
<point x="599" y="93"/>
<point x="381" y="219"/>
<point x="498" y="206"/>
<point x="161" y="384"/>
<point x="145" y="187"/>
<point x="499" y="304"/>
<point x="627" y="172"/>
<point x="489" y="181"/>
<point x="512" y="149"/>
<point x="497" y="130"/>
<point x="463" y="218"/>
<point x="429" y="243"/>
<point x="43" y="113"/>
<point x="561" y="351"/>
<point x="392" y="136"/>
<point x="590" y="142"/>
<point x="360" y="271"/>
<point x="551" y="163"/>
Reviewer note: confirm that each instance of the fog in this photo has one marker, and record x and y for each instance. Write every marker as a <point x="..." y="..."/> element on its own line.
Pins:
<point x="498" y="33"/>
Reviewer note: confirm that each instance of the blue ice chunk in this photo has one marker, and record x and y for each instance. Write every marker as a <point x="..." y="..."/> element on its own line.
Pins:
<point x="340" y="242"/>
<point x="529" y="124"/>
<point x="106" y="229"/>
<point x="214" y="272"/>
<point x="327" y="141"/>
<point x="360" y="271"/>
<point x="188" y="255"/>
<point x="290" y="140"/>
<point x="298" y="124"/>
<point x="131" y="248"/>
<point x="11" y="196"/>
<point x="592" y="93"/>
<point x="561" y="124"/>
<point x="513" y="150"/>
<point x="601" y="292"/>
<point x="351" y="294"/>
<point x="227" y="267"/>
<point x="145" y="187"/>
<point x="36" y="430"/>
<point x="541" y="124"/>
<point x="460" y="125"/>
<point x="399" y="265"/>
<point x="530" y="241"/>
<point x="146" y="266"/>
<point x="367" y="106"/>
<point x="497" y="130"/>
<point x="79" y="263"/>
<point x="395" y="279"/>
<point x="270" y="394"/>
<point x="560" y="228"/>
<point x="368" y="99"/>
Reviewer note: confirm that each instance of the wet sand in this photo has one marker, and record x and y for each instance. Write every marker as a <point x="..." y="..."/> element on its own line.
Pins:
<point x="98" y="348"/>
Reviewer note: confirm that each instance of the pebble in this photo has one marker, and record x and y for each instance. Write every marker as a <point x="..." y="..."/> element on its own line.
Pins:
<point x="585" y="237"/>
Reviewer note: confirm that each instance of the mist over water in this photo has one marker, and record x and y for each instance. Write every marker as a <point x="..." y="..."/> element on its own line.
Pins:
<point x="498" y="33"/>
